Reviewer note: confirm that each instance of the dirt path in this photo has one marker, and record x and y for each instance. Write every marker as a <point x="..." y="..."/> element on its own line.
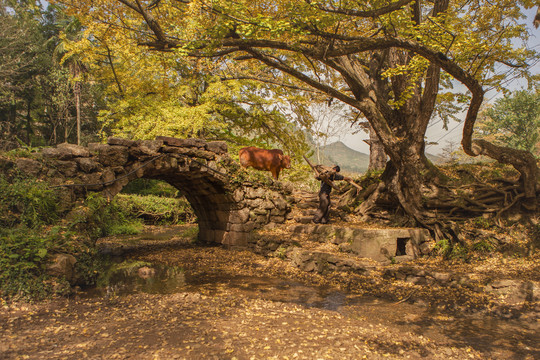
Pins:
<point x="246" y="318"/>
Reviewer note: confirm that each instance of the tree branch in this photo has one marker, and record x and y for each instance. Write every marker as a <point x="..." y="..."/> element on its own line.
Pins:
<point x="363" y="14"/>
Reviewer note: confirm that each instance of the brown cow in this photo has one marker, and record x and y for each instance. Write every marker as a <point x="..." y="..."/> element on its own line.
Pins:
<point x="262" y="159"/>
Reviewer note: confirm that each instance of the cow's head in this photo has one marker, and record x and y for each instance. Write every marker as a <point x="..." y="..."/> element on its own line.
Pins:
<point x="285" y="161"/>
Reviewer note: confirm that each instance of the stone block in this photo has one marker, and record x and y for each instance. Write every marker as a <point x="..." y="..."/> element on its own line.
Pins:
<point x="236" y="238"/>
<point x="91" y="181"/>
<point x="238" y="195"/>
<point x="72" y="150"/>
<point x="191" y="142"/>
<point x="279" y="202"/>
<point x="62" y="265"/>
<point x="87" y="164"/>
<point x="442" y="278"/>
<point x="376" y="244"/>
<point x="122" y="142"/>
<point x="67" y="168"/>
<point x="115" y="187"/>
<point x="148" y="147"/>
<point x="107" y="177"/>
<point x="254" y="203"/>
<point x="113" y="155"/>
<point x="94" y="148"/>
<point x="426" y="248"/>
<point x="190" y="152"/>
<point x="247" y="227"/>
<point x="239" y="216"/>
<point x="28" y="167"/>
<point x="223" y="216"/>
<point x="277" y="219"/>
<point x="254" y="193"/>
<point x="267" y="205"/>
<point x="343" y="235"/>
<point x="218" y="147"/>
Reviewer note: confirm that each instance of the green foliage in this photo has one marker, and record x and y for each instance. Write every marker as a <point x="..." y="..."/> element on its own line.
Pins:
<point x="514" y="121"/>
<point x="27" y="201"/>
<point x="281" y="252"/>
<point x="449" y="250"/>
<point x="150" y="187"/>
<point x="37" y="102"/>
<point x="483" y="245"/>
<point x="130" y="228"/>
<point x="24" y="254"/>
<point x="125" y="214"/>
<point x="104" y="218"/>
<point x="482" y="223"/>
<point x="155" y="209"/>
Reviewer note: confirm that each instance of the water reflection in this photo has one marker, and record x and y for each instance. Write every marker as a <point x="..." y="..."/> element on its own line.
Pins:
<point x="130" y="277"/>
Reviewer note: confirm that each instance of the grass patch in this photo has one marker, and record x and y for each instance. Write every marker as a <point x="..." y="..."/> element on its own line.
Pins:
<point x="155" y="210"/>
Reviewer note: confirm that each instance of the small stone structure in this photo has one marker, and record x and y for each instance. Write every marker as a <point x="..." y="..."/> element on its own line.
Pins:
<point x="376" y="244"/>
<point x="349" y="246"/>
<point x="227" y="208"/>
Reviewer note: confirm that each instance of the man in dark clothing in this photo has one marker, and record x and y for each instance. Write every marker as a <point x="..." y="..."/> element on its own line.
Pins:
<point x="321" y="215"/>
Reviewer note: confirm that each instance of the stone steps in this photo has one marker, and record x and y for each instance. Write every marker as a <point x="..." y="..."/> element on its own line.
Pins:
<point x="341" y="245"/>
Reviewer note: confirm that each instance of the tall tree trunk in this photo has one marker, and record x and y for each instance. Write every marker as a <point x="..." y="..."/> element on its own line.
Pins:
<point x="77" y="92"/>
<point x="377" y="156"/>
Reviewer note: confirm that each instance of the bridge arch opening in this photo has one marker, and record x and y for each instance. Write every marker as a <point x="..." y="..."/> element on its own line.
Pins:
<point x="205" y="190"/>
<point x="157" y="202"/>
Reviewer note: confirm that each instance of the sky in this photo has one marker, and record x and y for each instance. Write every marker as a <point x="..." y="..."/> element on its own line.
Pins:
<point x="436" y="132"/>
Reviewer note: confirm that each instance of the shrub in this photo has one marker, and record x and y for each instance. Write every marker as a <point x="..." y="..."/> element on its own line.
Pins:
<point x="27" y="201"/>
<point x="23" y="259"/>
<point x="448" y="250"/>
<point x="156" y="209"/>
<point x="150" y="187"/>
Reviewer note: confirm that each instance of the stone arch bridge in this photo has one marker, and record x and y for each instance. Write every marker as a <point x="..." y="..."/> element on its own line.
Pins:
<point x="227" y="208"/>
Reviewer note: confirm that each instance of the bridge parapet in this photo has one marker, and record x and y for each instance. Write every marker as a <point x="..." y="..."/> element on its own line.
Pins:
<point x="227" y="210"/>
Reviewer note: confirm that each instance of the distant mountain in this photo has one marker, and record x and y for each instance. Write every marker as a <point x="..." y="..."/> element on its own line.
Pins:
<point x="351" y="160"/>
<point x="436" y="159"/>
<point x="348" y="159"/>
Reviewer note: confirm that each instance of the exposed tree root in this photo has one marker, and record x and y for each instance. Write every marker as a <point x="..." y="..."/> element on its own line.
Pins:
<point x="445" y="206"/>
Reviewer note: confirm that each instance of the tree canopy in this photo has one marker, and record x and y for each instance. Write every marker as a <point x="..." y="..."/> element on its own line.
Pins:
<point x="514" y="121"/>
<point x="394" y="62"/>
<point x="36" y="96"/>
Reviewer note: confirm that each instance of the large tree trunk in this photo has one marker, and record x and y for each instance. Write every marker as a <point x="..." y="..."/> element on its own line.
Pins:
<point x="377" y="156"/>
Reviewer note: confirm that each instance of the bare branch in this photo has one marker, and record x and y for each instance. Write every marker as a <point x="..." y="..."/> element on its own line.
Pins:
<point x="363" y="14"/>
